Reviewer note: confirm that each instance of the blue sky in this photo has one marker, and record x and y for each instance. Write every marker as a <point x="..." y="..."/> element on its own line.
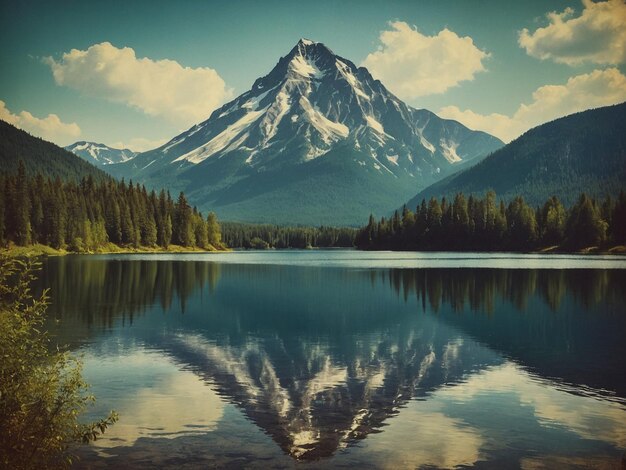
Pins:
<point x="137" y="73"/>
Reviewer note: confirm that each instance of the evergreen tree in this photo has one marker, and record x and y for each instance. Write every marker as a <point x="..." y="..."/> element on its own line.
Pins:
<point x="126" y="225"/>
<point x="182" y="229"/>
<point x="553" y="218"/>
<point x="85" y="216"/>
<point x="421" y="225"/>
<point x="619" y="220"/>
<point x="55" y="218"/>
<point x="213" y="230"/>
<point x="433" y="221"/>
<point x="113" y="221"/>
<point x="522" y="225"/>
<point x="460" y="220"/>
<point x="199" y="227"/>
<point x="21" y="221"/>
<point x="585" y="227"/>
<point x="36" y="216"/>
<point x="501" y="223"/>
<point x="408" y="218"/>
<point x="2" y="211"/>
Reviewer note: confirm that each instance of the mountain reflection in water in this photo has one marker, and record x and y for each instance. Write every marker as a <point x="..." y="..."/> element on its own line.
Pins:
<point x="321" y="358"/>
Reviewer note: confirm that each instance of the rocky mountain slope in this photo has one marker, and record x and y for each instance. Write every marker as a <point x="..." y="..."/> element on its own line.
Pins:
<point x="100" y="154"/>
<point x="316" y="141"/>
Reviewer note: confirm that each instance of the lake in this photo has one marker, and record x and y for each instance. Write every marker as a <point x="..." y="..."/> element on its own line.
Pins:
<point x="350" y="359"/>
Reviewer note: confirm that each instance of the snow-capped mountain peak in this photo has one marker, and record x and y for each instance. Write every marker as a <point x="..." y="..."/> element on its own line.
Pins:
<point x="100" y="154"/>
<point x="316" y="105"/>
<point x="306" y="42"/>
<point x="311" y="101"/>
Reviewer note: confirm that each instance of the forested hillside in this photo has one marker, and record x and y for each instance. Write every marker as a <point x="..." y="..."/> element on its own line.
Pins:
<point x="40" y="156"/>
<point x="483" y="224"/>
<point x="582" y="152"/>
<point x="88" y="215"/>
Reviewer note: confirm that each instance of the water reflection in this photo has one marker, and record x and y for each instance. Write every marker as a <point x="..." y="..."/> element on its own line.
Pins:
<point x="502" y="417"/>
<point x="321" y="358"/>
<point x="568" y="325"/>
<point x="312" y="402"/>
<point x="477" y="290"/>
<point x="165" y="400"/>
<point x="99" y="293"/>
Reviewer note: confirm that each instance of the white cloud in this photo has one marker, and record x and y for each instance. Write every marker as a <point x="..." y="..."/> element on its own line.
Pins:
<point x="500" y="125"/>
<point x="161" y="88"/>
<point x="411" y="64"/>
<point x="441" y="442"/>
<point x="551" y="403"/>
<point x="598" y="35"/>
<point x="49" y="128"/>
<point x="164" y="402"/>
<point x="591" y="90"/>
<point x="139" y="144"/>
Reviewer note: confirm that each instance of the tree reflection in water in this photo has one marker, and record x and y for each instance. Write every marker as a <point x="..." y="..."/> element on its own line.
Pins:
<point x="319" y="358"/>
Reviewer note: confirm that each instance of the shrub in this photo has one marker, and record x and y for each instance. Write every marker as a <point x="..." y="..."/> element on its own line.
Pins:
<point x="42" y="393"/>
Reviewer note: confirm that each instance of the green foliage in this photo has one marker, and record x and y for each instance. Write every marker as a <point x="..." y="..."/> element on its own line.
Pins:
<point x="238" y="235"/>
<point x="182" y="224"/>
<point x="42" y="392"/>
<point x="39" y="156"/>
<point x="585" y="226"/>
<point x="214" y="233"/>
<point x="258" y="244"/>
<point x="618" y="219"/>
<point x="552" y="221"/>
<point x="522" y="225"/>
<point x="478" y="224"/>
<point x="582" y="152"/>
<point x="87" y="216"/>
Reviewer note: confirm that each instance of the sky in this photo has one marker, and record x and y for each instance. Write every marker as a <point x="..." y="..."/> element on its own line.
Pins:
<point x="135" y="74"/>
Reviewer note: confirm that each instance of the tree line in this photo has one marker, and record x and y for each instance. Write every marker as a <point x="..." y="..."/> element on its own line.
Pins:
<point x="483" y="224"/>
<point x="101" y="292"/>
<point x="266" y="236"/>
<point x="88" y="215"/>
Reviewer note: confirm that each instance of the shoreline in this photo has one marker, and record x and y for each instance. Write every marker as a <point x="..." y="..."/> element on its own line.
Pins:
<point x="593" y="250"/>
<point x="44" y="250"/>
<point x="618" y="250"/>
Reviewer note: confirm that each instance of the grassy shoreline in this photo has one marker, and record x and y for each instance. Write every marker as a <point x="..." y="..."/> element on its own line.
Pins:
<point x="44" y="250"/>
<point x="592" y="250"/>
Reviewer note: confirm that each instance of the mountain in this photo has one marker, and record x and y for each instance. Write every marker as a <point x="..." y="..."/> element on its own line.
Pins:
<point x="100" y="154"/>
<point x="40" y="156"/>
<point x="581" y="152"/>
<point x="316" y="141"/>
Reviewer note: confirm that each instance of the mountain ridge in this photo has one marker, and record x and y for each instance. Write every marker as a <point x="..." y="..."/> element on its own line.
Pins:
<point x="314" y="112"/>
<point x="581" y="152"/>
<point x="100" y="154"/>
<point x="41" y="156"/>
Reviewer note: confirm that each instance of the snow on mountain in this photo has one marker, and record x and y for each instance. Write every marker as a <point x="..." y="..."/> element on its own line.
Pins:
<point x="582" y="152"/>
<point x="312" y="110"/>
<point x="100" y="154"/>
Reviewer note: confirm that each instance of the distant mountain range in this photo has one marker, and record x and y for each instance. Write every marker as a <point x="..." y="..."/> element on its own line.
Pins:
<point x="100" y="154"/>
<point x="581" y="152"/>
<point x="316" y="141"/>
<point x="40" y="156"/>
<point x="319" y="141"/>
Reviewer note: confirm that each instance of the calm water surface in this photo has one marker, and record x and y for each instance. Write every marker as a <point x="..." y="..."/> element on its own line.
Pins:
<point x="349" y="359"/>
